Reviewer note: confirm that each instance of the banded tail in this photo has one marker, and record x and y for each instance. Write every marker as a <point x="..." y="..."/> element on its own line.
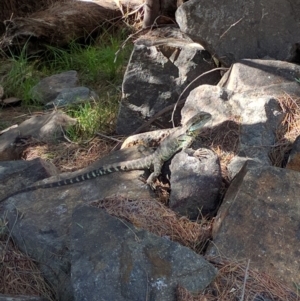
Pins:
<point x="122" y="166"/>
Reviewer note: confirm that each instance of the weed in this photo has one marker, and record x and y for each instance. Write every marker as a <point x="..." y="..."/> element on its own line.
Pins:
<point x="93" y="117"/>
<point x="97" y="67"/>
<point x="20" y="76"/>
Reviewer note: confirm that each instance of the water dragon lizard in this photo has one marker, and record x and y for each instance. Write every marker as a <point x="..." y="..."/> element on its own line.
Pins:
<point x="178" y="140"/>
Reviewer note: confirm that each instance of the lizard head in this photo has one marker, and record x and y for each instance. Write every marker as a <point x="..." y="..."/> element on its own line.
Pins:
<point x="194" y="124"/>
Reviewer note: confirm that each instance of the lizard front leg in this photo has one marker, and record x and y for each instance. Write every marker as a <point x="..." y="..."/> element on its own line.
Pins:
<point x="157" y="165"/>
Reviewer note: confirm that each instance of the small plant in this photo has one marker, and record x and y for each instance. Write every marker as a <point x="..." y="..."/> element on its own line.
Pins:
<point x="92" y="117"/>
<point x="20" y="77"/>
<point x="297" y="80"/>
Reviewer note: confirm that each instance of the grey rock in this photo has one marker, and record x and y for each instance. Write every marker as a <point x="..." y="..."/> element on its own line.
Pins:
<point x="294" y="156"/>
<point x="259" y="221"/>
<point x="1" y="92"/>
<point x="262" y="76"/>
<point x="16" y="175"/>
<point x="234" y="30"/>
<point x="113" y="260"/>
<point x="21" y="298"/>
<point x="43" y="230"/>
<point x="45" y="127"/>
<point x="195" y="183"/>
<point x="247" y="97"/>
<point x="70" y="96"/>
<point x="48" y="88"/>
<point x="10" y="100"/>
<point x="160" y="68"/>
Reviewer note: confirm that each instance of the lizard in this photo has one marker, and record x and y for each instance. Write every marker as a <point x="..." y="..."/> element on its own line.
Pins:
<point x="180" y="139"/>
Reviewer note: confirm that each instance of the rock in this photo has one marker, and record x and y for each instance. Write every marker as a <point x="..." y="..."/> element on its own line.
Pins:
<point x="16" y="175"/>
<point x="160" y="68"/>
<point x="1" y="92"/>
<point x="154" y="11"/>
<point x="262" y="76"/>
<point x="70" y="96"/>
<point x="43" y="127"/>
<point x="249" y="98"/>
<point x="294" y="157"/>
<point x="113" y="260"/>
<point x="195" y="183"/>
<point x="43" y="230"/>
<point x="259" y="220"/>
<point x="235" y="30"/>
<point x="21" y="298"/>
<point x="11" y="101"/>
<point x="256" y="119"/>
<point x="48" y="88"/>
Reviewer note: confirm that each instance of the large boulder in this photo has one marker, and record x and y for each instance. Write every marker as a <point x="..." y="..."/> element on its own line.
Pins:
<point x="248" y="96"/>
<point x="233" y="30"/>
<point x="161" y="67"/>
<point x="113" y="260"/>
<point x="259" y="221"/>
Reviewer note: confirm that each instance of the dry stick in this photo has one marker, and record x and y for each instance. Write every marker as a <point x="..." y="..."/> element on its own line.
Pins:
<point x="207" y="72"/>
<point x="108" y="137"/>
<point x="232" y="25"/>
<point x="245" y="280"/>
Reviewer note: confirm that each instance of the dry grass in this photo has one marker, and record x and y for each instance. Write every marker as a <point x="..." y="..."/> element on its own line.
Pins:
<point x="67" y="156"/>
<point x="224" y="141"/>
<point x="158" y="219"/>
<point x="288" y="130"/>
<point x="19" y="275"/>
<point x="237" y="281"/>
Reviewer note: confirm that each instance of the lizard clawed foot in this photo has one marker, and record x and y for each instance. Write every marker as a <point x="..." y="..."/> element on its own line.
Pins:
<point x="202" y="153"/>
<point x="152" y="185"/>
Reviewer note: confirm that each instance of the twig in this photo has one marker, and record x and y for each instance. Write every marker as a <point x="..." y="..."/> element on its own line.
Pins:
<point x="231" y="27"/>
<point x="108" y="137"/>
<point x="207" y="72"/>
<point x="245" y="280"/>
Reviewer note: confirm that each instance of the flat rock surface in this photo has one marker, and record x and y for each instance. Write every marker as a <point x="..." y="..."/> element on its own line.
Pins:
<point x="112" y="260"/>
<point x="40" y="220"/>
<point x="259" y="220"/>
<point x="16" y="175"/>
<point x="233" y="30"/>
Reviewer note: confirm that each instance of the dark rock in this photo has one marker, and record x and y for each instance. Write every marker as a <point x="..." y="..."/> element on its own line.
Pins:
<point x="21" y="298"/>
<point x="234" y="30"/>
<point x="16" y="175"/>
<point x="160" y="68"/>
<point x="43" y="230"/>
<point x="113" y="260"/>
<point x="259" y="220"/>
<point x="48" y="88"/>
<point x="70" y="96"/>
<point x="195" y="183"/>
